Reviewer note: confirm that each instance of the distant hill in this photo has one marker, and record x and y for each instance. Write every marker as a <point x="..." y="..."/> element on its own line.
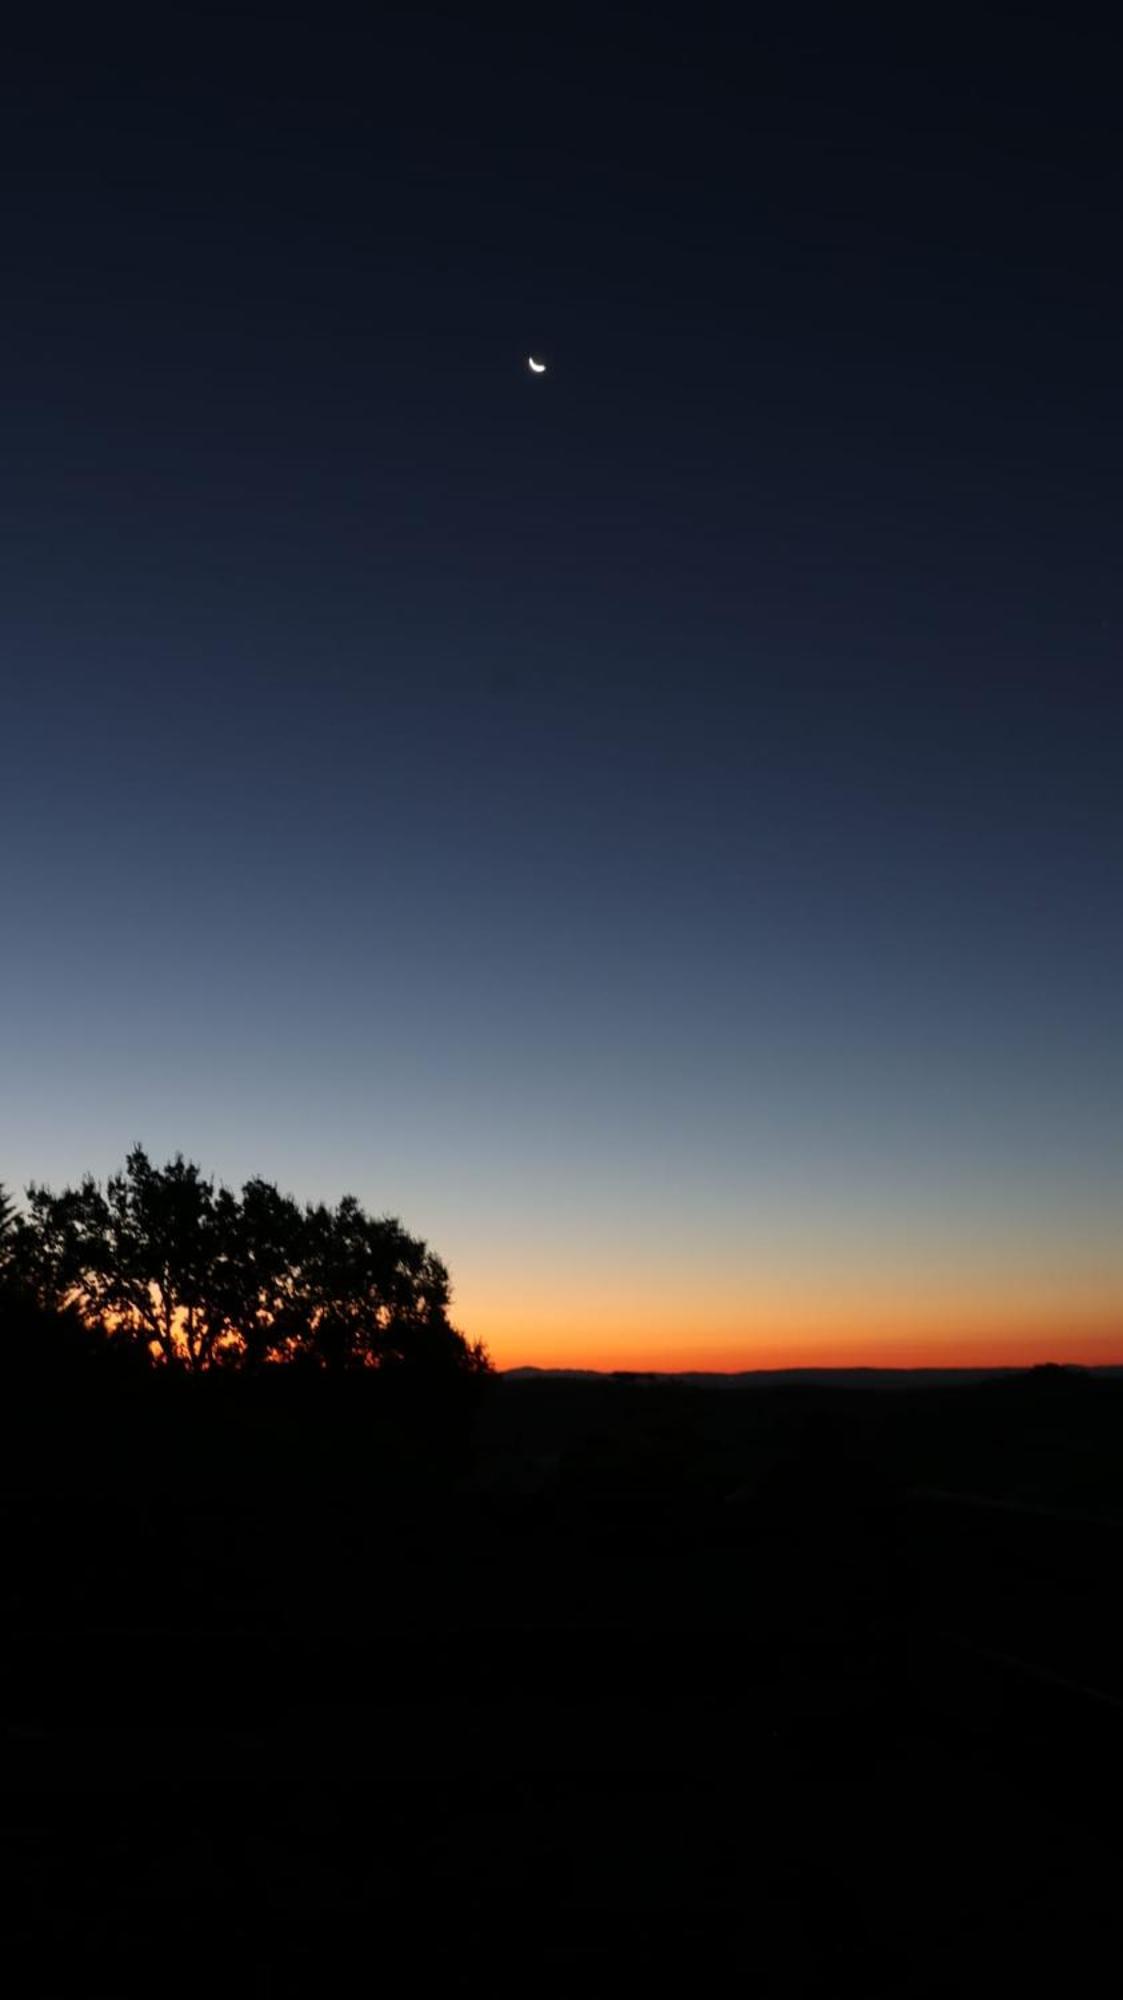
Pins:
<point x="783" y="1378"/>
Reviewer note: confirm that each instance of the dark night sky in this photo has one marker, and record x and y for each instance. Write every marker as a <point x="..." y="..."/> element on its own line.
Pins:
<point x="657" y="827"/>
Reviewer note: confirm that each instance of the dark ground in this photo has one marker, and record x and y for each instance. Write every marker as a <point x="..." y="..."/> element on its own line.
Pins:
<point x="812" y="1690"/>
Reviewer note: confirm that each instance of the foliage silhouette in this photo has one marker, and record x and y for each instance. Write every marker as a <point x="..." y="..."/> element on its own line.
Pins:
<point x="46" y="1344"/>
<point x="197" y="1278"/>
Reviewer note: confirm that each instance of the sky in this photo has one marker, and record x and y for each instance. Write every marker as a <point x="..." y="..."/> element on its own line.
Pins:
<point x="655" y="827"/>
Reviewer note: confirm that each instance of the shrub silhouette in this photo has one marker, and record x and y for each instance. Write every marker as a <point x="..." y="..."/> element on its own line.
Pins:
<point x="197" y="1278"/>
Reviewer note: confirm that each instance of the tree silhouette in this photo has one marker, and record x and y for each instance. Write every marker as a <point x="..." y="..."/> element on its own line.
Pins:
<point x="256" y="1279"/>
<point x="134" y="1257"/>
<point x="198" y="1278"/>
<point x="7" y="1239"/>
<point x="43" y="1344"/>
<point x="369" y="1288"/>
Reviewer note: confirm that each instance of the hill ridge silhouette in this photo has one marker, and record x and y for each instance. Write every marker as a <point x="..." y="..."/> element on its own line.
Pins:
<point x="867" y="1377"/>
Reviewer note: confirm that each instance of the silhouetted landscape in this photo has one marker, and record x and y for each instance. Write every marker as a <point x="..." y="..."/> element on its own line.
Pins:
<point x="551" y="1676"/>
<point x="561" y="998"/>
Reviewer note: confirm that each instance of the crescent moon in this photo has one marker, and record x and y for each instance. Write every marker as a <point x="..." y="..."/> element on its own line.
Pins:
<point x="536" y="367"/>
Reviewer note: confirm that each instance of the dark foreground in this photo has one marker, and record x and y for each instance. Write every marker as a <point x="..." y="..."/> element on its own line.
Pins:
<point x="812" y="1691"/>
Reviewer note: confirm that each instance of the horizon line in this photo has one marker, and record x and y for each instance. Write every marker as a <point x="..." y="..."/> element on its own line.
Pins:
<point x="868" y="1368"/>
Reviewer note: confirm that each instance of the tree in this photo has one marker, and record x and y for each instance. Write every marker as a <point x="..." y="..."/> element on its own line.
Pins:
<point x="43" y="1343"/>
<point x="7" y="1235"/>
<point x="10" y="1277"/>
<point x="375" y="1297"/>
<point x="197" y="1277"/>
<point x="135" y="1259"/>
<point x="258" y="1276"/>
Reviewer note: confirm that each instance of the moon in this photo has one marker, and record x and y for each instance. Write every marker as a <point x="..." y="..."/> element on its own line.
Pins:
<point x="536" y="367"/>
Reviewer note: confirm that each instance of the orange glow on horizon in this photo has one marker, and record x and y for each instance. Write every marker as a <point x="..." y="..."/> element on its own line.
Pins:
<point x="806" y="1332"/>
<point x="1098" y="1347"/>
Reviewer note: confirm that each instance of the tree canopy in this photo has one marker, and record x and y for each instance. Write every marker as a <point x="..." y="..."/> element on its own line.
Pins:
<point x="199" y="1277"/>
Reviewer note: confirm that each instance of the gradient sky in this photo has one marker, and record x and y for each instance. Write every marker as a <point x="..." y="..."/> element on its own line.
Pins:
<point x="657" y="828"/>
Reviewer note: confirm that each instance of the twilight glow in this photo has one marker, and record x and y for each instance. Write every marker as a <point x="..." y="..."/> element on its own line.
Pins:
<point x="658" y="833"/>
